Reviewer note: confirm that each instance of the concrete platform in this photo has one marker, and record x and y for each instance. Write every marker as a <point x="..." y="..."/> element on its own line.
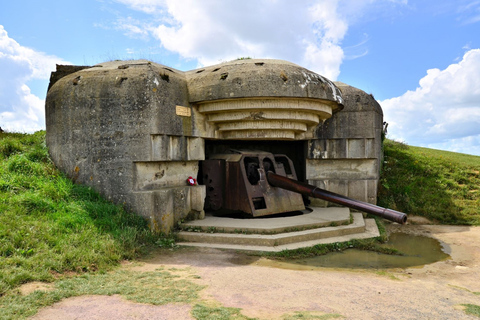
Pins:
<point x="277" y="234"/>
<point x="318" y="217"/>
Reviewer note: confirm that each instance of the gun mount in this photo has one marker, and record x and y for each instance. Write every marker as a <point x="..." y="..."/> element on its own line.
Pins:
<point x="260" y="183"/>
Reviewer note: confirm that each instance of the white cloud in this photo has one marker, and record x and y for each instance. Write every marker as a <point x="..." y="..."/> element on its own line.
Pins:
<point x="357" y="50"/>
<point x="130" y="27"/>
<point x="147" y="6"/>
<point x="443" y="112"/>
<point x="305" y="32"/>
<point x="20" y="110"/>
<point x="469" y="11"/>
<point x="468" y="145"/>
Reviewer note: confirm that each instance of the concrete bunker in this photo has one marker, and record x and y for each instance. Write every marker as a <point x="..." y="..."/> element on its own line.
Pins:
<point x="136" y="130"/>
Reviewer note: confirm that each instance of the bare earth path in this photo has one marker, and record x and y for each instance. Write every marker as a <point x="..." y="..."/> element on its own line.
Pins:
<point x="268" y="290"/>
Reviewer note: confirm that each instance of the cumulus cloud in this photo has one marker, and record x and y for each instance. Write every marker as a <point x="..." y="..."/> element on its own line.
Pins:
<point x="443" y="112"/>
<point x="20" y="110"/>
<point x="306" y="32"/>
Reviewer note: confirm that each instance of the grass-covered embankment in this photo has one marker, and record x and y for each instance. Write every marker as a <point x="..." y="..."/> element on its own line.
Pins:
<point x="50" y="226"/>
<point x="439" y="185"/>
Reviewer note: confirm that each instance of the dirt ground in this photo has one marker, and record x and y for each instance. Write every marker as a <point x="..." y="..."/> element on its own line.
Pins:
<point x="269" y="290"/>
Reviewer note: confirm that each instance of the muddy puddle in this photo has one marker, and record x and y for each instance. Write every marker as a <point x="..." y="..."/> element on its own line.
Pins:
<point x="417" y="251"/>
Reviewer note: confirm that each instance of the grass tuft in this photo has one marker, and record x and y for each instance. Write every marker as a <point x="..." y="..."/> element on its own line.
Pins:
<point x="472" y="309"/>
<point x="9" y="146"/>
<point x="202" y="311"/>
<point x="311" y="315"/>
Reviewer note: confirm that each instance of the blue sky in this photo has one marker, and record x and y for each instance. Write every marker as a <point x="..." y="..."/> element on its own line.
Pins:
<point x="420" y="59"/>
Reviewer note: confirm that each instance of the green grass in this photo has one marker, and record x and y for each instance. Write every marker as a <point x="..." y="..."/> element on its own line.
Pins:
<point x="311" y="315"/>
<point x="157" y="287"/>
<point x="201" y="311"/>
<point x="472" y="309"/>
<point x="439" y="185"/>
<point x="50" y="226"/>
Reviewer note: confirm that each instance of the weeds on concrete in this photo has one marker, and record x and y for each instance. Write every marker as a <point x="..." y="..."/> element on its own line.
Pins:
<point x="189" y="228"/>
<point x="167" y="242"/>
<point x="372" y="244"/>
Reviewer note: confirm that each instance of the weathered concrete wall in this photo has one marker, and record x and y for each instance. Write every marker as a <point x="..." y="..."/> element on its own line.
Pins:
<point x="115" y="127"/>
<point x="345" y="157"/>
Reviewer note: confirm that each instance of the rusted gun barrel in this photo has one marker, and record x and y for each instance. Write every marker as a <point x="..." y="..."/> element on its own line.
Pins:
<point x="315" y="192"/>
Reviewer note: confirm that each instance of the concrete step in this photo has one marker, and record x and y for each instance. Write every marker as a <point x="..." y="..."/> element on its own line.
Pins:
<point x="275" y="240"/>
<point x="370" y="231"/>
<point x="311" y="219"/>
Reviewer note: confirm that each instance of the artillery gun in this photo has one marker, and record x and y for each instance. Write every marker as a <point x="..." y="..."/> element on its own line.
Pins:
<point x="259" y="183"/>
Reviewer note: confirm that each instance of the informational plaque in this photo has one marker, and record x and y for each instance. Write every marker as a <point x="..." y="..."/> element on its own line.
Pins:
<point x="184" y="111"/>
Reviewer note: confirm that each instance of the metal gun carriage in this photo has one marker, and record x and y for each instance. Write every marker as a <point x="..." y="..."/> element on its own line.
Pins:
<point x="260" y="183"/>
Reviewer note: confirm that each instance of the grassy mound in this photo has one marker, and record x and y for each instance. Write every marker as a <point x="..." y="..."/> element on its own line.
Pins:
<point x="440" y="185"/>
<point x="50" y="226"/>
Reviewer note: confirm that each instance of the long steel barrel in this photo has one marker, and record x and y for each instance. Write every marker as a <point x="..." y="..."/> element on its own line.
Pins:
<point x="315" y="192"/>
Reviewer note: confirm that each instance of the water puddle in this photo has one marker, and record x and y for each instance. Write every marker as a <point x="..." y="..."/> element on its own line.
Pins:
<point x="417" y="250"/>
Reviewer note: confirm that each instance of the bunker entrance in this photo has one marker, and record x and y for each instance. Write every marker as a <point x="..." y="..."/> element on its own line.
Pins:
<point x="234" y="174"/>
<point x="295" y="150"/>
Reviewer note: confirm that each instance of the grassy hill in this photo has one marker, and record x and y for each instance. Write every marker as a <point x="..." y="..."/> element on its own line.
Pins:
<point x="440" y="185"/>
<point x="50" y="227"/>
